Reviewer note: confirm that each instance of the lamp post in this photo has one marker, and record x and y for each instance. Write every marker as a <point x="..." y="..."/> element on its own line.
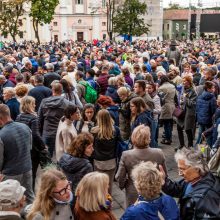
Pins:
<point x="90" y="31"/>
<point x="51" y="33"/>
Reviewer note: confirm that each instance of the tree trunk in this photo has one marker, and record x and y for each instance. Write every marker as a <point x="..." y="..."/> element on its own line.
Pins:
<point x="36" y="30"/>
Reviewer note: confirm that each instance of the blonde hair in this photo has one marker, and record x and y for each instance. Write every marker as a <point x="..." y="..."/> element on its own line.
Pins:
<point x="124" y="91"/>
<point x="9" y="90"/>
<point x="147" y="180"/>
<point x="27" y="104"/>
<point x="105" y="125"/>
<point x="92" y="191"/>
<point x="44" y="202"/>
<point x="141" y="136"/>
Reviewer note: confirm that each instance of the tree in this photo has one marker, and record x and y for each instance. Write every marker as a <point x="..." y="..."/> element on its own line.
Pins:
<point x="128" y="20"/>
<point x="174" y="6"/>
<point x="42" y="12"/>
<point x="10" y="18"/>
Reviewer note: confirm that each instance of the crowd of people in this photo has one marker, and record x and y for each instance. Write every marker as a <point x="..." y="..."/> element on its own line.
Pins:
<point x="77" y="116"/>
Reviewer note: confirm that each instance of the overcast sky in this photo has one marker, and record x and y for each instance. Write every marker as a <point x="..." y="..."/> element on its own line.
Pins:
<point x="206" y="3"/>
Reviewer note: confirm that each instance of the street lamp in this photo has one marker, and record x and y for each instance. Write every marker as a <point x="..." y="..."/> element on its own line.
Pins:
<point x="51" y="33"/>
<point x="90" y="30"/>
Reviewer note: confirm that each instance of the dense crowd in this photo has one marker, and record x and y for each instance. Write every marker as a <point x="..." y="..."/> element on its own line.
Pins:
<point x="79" y="116"/>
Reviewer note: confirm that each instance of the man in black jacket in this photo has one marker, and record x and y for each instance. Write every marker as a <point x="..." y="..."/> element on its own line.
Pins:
<point x="198" y="191"/>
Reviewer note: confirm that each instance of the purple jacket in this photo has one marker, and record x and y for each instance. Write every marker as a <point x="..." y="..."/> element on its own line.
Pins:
<point x="129" y="80"/>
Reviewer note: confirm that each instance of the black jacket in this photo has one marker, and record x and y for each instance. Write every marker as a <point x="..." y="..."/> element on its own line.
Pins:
<point x="31" y="121"/>
<point x="50" y="77"/>
<point x="189" y="201"/>
<point x="75" y="168"/>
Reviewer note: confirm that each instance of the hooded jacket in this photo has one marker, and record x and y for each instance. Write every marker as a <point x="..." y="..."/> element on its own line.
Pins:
<point x="75" y="168"/>
<point x="50" y="112"/>
<point x="205" y="108"/>
<point x="112" y="92"/>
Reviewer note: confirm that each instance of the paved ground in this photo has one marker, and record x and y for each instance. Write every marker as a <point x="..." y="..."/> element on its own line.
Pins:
<point x="119" y="196"/>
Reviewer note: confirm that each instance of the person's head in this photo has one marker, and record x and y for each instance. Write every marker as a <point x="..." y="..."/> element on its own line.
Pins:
<point x="191" y="164"/>
<point x="164" y="79"/>
<point x="67" y="86"/>
<point x="112" y="81"/>
<point x="125" y="70"/>
<point x="186" y="67"/>
<point x="137" y="106"/>
<point x="27" y="104"/>
<point x="2" y="79"/>
<point x="105" y="69"/>
<point x="72" y="113"/>
<point x="209" y="87"/>
<point x="79" y="75"/>
<point x="90" y="73"/>
<point x="49" y="67"/>
<point x="123" y="93"/>
<point x="193" y="68"/>
<point x="120" y="81"/>
<point x="28" y="65"/>
<point x="38" y="79"/>
<point x="19" y="78"/>
<point x="209" y="74"/>
<point x="70" y="68"/>
<point x="92" y="191"/>
<point x="53" y="186"/>
<point x="57" y="88"/>
<point x="147" y="180"/>
<point x="82" y="145"/>
<point x="187" y="82"/>
<point x="21" y="90"/>
<point x="151" y="87"/>
<point x="137" y="68"/>
<point x="140" y="87"/>
<point x="105" y="101"/>
<point x="5" y="115"/>
<point x="105" y="124"/>
<point x="11" y="196"/>
<point x="89" y="112"/>
<point x="140" y="137"/>
<point x="8" y="93"/>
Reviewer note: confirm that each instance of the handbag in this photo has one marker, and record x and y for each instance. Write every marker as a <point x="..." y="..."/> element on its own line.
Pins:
<point x="214" y="163"/>
<point x="179" y="113"/>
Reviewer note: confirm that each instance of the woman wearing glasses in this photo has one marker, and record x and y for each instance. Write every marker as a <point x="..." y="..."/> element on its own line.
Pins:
<point x="53" y="199"/>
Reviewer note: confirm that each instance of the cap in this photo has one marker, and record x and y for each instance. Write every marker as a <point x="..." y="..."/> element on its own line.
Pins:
<point x="11" y="192"/>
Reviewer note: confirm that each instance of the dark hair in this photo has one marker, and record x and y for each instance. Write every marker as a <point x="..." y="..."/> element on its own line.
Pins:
<point x="164" y="79"/>
<point x="87" y="106"/>
<point x="19" y="77"/>
<point x="91" y="72"/>
<point x="194" y="68"/>
<point x="153" y="85"/>
<point x="145" y="59"/>
<point x="171" y="61"/>
<point x="69" y="111"/>
<point x="139" y="103"/>
<point x="80" y="74"/>
<point x="141" y="83"/>
<point x="67" y="88"/>
<point x="144" y="68"/>
<point x="78" y="145"/>
<point x="208" y="85"/>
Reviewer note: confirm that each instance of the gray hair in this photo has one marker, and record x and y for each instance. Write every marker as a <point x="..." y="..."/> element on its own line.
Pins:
<point x="9" y="90"/>
<point x="193" y="158"/>
<point x="49" y="66"/>
<point x="112" y="81"/>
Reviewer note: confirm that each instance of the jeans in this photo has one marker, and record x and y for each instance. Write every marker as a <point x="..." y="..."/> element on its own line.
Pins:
<point x="202" y="128"/>
<point x="154" y="134"/>
<point x="168" y="126"/>
<point x="189" y="134"/>
<point x="25" y="179"/>
<point x="50" y="142"/>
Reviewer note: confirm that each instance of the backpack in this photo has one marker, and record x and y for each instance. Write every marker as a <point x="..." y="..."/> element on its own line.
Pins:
<point x="91" y="94"/>
<point x="209" y="209"/>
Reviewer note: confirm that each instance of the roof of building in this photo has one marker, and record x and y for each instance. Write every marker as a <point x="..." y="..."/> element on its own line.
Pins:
<point x="183" y="14"/>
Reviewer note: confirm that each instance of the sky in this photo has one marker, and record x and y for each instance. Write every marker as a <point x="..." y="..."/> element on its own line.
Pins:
<point x="206" y="3"/>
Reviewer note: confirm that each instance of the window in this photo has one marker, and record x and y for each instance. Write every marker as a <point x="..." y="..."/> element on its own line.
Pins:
<point x="79" y="2"/>
<point x="103" y="3"/>
<point x="55" y="23"/>
<point x="103" y="23"/>
<point x="168" y="27"/>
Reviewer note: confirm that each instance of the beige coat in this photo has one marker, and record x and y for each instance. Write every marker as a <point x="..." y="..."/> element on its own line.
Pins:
<point x="128" y="160"/>
<point x="168" y="108"/>
<point x="65" y="134"/>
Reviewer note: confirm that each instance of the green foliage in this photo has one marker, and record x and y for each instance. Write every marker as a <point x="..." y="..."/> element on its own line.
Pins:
<point x="174" y="6"/>
<point x="10" y="14"/>
<point x="42" y="12"/>
<point x="128" y="20"/>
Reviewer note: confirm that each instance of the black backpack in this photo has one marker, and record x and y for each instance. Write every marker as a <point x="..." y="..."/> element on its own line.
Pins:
<point x="207" y="208"/>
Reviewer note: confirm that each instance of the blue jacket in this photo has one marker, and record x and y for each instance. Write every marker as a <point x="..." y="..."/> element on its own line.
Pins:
<point x="112" y="92"/>
<point x="113" y="110"/>
<point x="205" y="108"/>
<point x="14" y="107"/>
<point x="148" y="210"/>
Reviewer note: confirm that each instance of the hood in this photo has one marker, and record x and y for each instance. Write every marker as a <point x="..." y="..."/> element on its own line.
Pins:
<point x="54" y="102"/>
<point x="72" y="164"/>
<point x="111" y="89"/>
<point x="207" y="95"/>
<point x="113" y="108"/>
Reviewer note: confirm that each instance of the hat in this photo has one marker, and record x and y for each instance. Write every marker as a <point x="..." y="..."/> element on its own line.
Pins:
<point x="11" y="192"/>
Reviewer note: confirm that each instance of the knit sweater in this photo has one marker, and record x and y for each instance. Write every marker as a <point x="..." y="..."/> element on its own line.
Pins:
<point x="15" y="146"/>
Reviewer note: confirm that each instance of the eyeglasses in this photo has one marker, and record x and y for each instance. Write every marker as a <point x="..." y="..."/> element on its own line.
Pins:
<point x="64" y="190"/>
<point x="181" y="170"/>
